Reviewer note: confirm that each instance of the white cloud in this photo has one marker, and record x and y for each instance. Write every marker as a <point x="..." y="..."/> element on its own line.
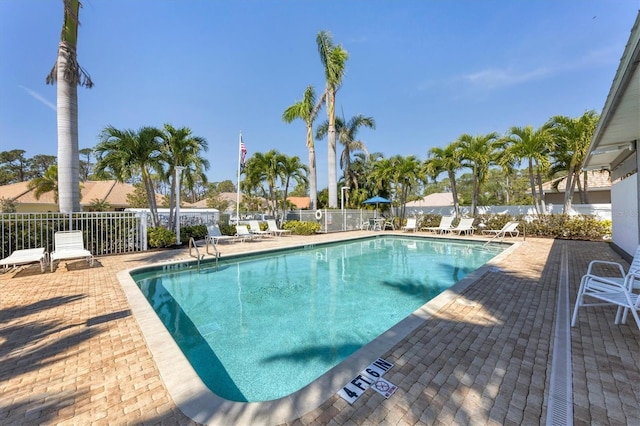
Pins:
<point x="494" y="78"/>
<point x="39" y="98"/>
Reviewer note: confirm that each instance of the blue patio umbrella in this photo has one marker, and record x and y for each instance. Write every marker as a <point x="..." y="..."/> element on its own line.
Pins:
<point x="376" y="200"/>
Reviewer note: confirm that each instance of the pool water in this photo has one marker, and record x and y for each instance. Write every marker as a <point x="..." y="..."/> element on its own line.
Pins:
<point x="261" y="327"/>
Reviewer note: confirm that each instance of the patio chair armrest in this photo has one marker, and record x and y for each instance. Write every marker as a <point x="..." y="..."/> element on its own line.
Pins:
<point x="611" y="281"/>
<point x="605" y="262"/>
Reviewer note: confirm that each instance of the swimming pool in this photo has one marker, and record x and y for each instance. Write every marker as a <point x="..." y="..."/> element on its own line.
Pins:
<point x="262" y="327"/>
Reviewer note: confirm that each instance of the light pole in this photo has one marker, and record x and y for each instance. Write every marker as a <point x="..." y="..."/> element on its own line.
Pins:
<point x="342" y="206"/>
<point x="178" y="170"/>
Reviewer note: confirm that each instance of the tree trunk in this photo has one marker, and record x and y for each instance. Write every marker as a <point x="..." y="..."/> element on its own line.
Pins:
<point x="454" y="193"/>
<point x="568" y="191"/>
<point x="67" y="116"/>
<point x="543" y="208"/>
<point x="476" y="191"/>
<point x="585" y="188"/>
<point x="534" y="193"/>
<point x="313" y="178"/>
<point x="331" y="161"/>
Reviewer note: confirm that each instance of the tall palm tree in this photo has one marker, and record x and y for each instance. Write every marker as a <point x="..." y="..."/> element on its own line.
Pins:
<point x="532" y="145"/>
<point x="447" y="160"/>
<point x="572" y="137"/>
<point x="479" y="153"/>
<point x="307" y="110"/>
<point x="347" y="136"/>
<point x="68" y="74"/>
<point x="182" y="149"/>
<point x="290" y="168"/>
<point x="128" y="155"/>
<point x="333" y="59"/>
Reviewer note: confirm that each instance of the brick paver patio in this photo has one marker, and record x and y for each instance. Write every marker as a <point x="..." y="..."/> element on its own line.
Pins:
<point x="71" y="352"/>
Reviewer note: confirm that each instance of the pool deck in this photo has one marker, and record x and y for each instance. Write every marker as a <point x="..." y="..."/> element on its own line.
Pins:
<point x="499" y="352"/>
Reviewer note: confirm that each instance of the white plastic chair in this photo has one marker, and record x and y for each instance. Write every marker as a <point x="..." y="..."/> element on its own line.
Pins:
<point x="465" y="225"/>
<point x="444" y="226"/>
<point x="611" y="290"/>
<point x="69" y="245"/>
<point x="510" y="228"/>
<point x="273" y="228"/>
<point x="243" y="233"/>
<point x="412" y="225"/>
<point x="25" y="257"/>
<point x="214" y="235"/>
<point x="255" y="229"/>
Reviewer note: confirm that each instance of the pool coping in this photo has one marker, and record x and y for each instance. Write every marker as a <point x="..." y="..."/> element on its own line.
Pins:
<point x="199" y="403"/>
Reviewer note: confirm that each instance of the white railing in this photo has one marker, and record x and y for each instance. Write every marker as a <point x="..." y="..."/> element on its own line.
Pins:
<point x="104" y="232"/>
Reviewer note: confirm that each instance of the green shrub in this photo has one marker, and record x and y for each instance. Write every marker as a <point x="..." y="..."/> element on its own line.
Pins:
<point x="197" y="232"/>
<point x="302" y="228"/>
<point x="160" y="237"/>
<point x="563" y="226"/>
<point x="227" y="229"/>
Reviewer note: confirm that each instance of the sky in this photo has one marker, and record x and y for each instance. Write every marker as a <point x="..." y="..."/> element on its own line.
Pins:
<point x="427" y="71"/>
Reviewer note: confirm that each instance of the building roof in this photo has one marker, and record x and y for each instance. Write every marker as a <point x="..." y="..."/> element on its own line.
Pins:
<point x="300" y="202"/>
<point x="113" y="192"/>
<point x="596" y="181"/>
<point x="438" y="199"/>
<point x="618" y="129"/>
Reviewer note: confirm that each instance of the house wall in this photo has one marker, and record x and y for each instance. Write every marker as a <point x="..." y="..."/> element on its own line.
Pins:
<point x="35" y="208"/>
<point x="595" y="197"/>
<point x="624" y="212"/>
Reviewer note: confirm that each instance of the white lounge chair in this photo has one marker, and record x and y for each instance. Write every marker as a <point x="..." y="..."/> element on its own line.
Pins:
<point x="243" y="233"/>
<point x="273" y="228"/>
<point x="255" y="229"/>
<point x="69" y="245"/>
<point x="412" y="225"/>
<point x="510" y="228"/>
<point x="465" y="225"/>
<point x="445" y="225"/>
<point x="215" y="236"/>
<point x="388" y="223"/>
<point x="25" y="257"/>
<point x="611" y="290"/>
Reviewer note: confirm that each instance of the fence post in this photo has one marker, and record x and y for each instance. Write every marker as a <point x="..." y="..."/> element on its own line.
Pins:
<point x="143" y="231"/>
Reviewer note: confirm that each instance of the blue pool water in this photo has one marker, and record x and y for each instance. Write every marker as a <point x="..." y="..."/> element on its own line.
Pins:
<point x="263" y="326"/>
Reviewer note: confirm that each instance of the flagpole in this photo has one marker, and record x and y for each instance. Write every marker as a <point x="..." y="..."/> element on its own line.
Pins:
<point x="238" y="189"/>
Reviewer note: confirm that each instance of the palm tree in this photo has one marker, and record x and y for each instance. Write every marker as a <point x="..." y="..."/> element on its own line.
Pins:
<point x="263" y="169"/>
<point x="129" y="154"/>
<point x="532" y="145"/>
<point x="406" y="174"/>
<point x="333" y="59"/>
<point x="46" y="183"/>
<point x="361" y="168"/>
<point x="68" y="74"/>
<point x="447" y="160"/>
<point x="347" y="136"/>
<point x="479" y="153"/>
<point x="85" y="165"/>
<point x="290" y="168"/>
<point x="572" y="137"/>
<point x="307" y="110"/>
<point x="182" y="149"/>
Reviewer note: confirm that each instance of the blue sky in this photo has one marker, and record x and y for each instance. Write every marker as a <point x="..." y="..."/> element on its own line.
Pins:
<point x="427" y="71"/>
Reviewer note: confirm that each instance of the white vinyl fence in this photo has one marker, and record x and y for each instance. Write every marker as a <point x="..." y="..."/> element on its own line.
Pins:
<point x="104" y="232"/>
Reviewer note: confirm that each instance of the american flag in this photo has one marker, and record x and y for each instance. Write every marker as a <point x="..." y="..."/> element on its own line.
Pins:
<point x="243" y="154"/>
